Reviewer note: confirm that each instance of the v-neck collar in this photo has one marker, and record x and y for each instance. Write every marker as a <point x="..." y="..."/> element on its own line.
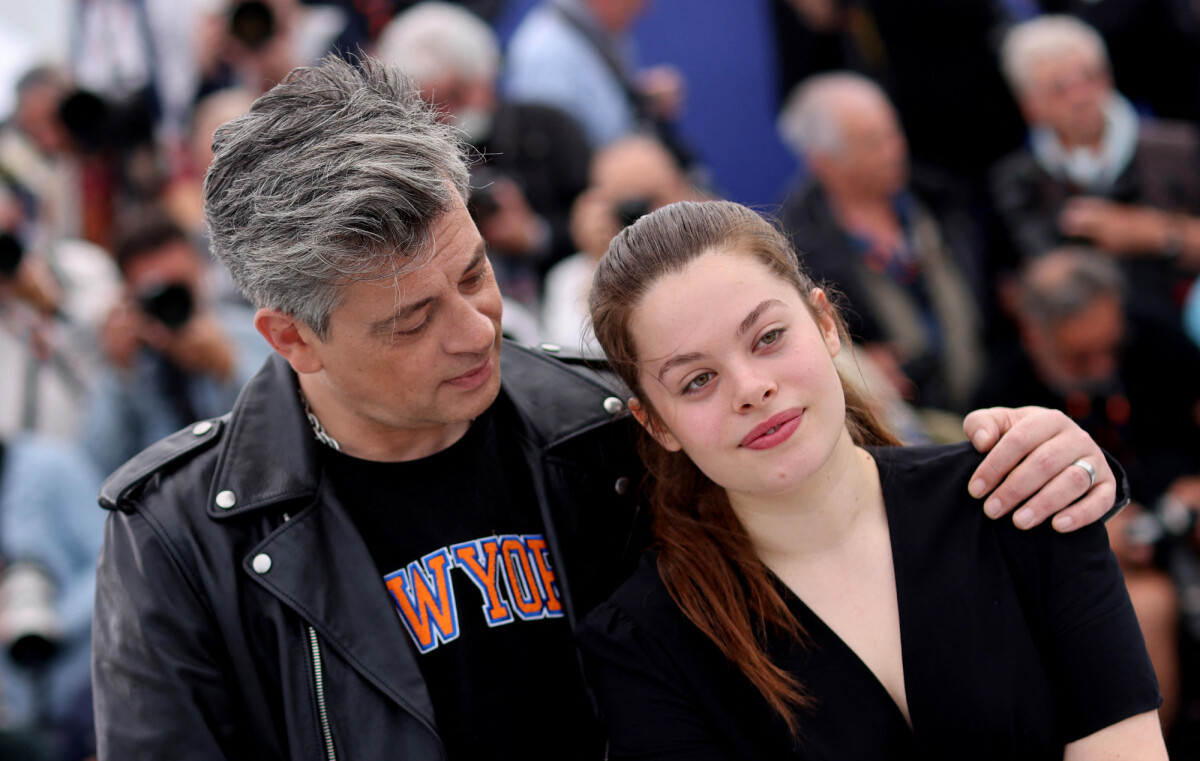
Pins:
<point x="822" y="636"/>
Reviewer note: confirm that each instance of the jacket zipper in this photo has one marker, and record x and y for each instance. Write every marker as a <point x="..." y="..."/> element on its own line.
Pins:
<point x="319" y="685"/>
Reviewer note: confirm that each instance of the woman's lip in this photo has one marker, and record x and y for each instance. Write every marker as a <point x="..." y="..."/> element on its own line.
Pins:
<point x="474" y="378"/>
<point x="784" y="425"/>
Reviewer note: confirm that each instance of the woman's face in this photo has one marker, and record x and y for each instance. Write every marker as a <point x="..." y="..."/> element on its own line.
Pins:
<point x="740" y="373"/>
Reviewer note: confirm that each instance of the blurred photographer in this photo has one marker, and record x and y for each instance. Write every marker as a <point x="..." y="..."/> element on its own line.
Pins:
<point x="253" y="44"/>
<point x="629" y="178"/>
<point x="175" y="356"/>
<point x="50" y="533"/>
<point x="53" y="296"/>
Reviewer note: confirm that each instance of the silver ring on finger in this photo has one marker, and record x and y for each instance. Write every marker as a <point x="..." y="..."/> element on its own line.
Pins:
<point x="1087" y="468"/>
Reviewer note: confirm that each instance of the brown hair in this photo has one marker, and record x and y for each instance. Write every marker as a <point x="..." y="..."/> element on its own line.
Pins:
<point x="705" y="556"/>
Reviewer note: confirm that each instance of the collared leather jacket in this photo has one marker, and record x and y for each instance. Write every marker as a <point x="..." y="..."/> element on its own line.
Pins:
<point x="239" y="613"/>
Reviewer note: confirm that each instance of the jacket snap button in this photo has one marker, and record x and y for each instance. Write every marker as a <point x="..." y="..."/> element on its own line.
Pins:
<point x="551" y="348"/>
<point x="261" y="563"/>
<point x="226" y="500"/>
<point x="199" y="429"/>
<point x="622" y="486"/>
<point x="613" y="405"/>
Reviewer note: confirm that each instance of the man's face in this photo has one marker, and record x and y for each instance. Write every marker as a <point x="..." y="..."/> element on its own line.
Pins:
<point x="1081" y="353"/>
<point x="409" y="361"/>
<point x="1067" y="93"/>
<point x="617" y="15"/>
<point x="874" y="158"/>
<point x="461" y="100"/>
<point x="37" y="116"/>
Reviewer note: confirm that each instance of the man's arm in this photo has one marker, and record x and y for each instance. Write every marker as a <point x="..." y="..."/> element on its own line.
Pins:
<point x="1029" y="455"/>
<point x="157" y="687"/>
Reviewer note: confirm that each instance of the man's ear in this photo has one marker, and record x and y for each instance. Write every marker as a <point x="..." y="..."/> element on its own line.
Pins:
<point x="823" y="314"/>
<point x="292" y="339"/>
<point x="653" y="427"/>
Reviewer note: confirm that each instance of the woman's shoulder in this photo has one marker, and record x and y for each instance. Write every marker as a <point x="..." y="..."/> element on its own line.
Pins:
<point x="927" y="480"/>
<point x="932" y="460"/>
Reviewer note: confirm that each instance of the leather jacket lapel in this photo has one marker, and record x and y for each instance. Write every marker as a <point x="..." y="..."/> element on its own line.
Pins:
<point x="321" y="568"/>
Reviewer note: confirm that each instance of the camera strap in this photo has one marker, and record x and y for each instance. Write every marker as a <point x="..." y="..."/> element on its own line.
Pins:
<point x="604" y="48"/>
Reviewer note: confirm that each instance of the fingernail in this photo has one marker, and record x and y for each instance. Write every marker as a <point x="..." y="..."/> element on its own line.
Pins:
<point x="993" y="508"/>
<point x="1024" y="517"/>
<point x="976" y="488"/>
<point x="981" y="438"/>
<point x="1064" y="523"/>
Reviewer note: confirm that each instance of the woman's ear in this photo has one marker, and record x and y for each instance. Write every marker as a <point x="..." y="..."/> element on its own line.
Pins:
<point x="653" y="427"/>
<point x="823" y="314"/>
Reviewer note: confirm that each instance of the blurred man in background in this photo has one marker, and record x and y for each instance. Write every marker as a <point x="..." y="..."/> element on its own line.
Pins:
<point x="50" y="533"/>
<point x="53" y="298"/>
<point x="630" y="177"/>
<point x="1132" y="382"/>
<point x="1093" y="168"/>
<point x="911" y="280"/>
<point x="533" y="157"/>
<point x="578" y="55"/>
<point x="175" y="356"/>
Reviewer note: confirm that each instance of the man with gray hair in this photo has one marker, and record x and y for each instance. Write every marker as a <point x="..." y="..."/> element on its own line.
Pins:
<point x="912" y="278"/>
<point x="533" y="157"/>
<point x="1094" y="172"/>
<point x="1132" y="382"/>
<point x="380" y="552"/>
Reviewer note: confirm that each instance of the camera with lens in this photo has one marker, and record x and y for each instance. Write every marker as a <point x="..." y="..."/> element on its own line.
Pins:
<point x="252" y="23"/>
<point x="96" y="122"/>
<point x="11" y="253"/>
<point x="630" y="210"/>
<point x="172" y="304"/>
<point x="30" y="627"/>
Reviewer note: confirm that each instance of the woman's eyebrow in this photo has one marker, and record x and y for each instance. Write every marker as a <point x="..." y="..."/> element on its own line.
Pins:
<point x="755" y="313"/>
<point x="678" y="359"/>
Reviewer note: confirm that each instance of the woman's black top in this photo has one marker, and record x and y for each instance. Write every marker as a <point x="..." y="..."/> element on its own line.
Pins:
<point x="1014" y="644"/>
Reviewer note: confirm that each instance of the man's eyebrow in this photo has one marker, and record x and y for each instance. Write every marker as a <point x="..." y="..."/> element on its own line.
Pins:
<point x="388" y="323"/>
<point x="678" y="359"/>
<point x="477" y="257"/>
<point x="755" y="313"/>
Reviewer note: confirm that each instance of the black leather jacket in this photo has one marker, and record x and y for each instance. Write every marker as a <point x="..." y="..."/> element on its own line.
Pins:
<point x="239" y="613"/>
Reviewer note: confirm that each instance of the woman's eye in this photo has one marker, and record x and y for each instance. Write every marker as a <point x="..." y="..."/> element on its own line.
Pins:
<point x="770" y="337"/>
<point x="699" y="382"/>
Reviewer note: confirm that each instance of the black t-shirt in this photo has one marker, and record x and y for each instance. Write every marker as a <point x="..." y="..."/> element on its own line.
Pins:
<point x="459" y="541"/>
<point x="1013" y="644"/>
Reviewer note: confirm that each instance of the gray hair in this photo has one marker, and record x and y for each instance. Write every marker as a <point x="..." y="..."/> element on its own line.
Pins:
<point x="1065" y="282"/>
<point x="809" y="121"/>
<point x="334" y="176"/>
<point x="1046" y="37"/>
<point x="431" y="39"/>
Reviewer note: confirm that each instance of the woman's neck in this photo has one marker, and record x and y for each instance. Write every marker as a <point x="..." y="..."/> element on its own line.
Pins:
<point x="821" y="516"/>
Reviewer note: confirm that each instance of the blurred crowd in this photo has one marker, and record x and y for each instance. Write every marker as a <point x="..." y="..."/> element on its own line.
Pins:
<point x="1003" y="194"/>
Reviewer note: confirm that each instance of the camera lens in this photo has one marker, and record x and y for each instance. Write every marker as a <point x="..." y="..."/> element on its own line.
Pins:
<point x="252" y="24"/>
<point x="29" y="624"/>
<point x="11" y="252"/>
<point x="631" y="210"/>
<point x="171" y="304"/>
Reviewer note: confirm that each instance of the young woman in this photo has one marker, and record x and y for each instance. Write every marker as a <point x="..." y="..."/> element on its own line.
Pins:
<point x="817" y="593"/>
